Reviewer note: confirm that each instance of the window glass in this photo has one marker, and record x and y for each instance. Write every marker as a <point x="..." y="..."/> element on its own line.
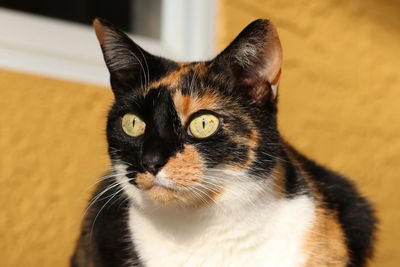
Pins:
<point x="140" y="17"/>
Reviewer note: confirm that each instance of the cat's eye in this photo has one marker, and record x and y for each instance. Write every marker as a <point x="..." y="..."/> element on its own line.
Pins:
<point x="133" y="125"/>
<point x="203" y="126"/>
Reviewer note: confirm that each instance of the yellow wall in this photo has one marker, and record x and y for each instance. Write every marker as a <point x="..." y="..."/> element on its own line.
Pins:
<point x="52" y="148"/>
<point x="340" y="91"/>
<point x="338" y="103"/>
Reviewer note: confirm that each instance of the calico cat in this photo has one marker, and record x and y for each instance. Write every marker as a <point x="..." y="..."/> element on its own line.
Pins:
<point x="200" y="174"/>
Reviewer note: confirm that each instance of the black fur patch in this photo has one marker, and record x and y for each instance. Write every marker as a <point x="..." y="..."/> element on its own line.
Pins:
<point x="105" y="238"/>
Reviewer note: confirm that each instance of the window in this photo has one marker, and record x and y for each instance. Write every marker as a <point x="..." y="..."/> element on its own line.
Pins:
<point x="142" y="17"/>
<point x="55" y="37"/>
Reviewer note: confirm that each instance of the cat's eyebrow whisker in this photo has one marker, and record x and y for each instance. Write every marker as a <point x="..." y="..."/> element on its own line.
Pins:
<point x="192" y="81"/>
<point x="142" y="69"/>
<point x="147" y="78"/>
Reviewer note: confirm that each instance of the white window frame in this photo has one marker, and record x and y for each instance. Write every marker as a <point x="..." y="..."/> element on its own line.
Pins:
<point x="61" y="49"/>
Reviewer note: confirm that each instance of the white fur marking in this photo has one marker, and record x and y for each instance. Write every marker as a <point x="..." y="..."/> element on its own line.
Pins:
<point x="248" y="226"/>
<point x="162" y="180"/>
<point x="274" y="88"/>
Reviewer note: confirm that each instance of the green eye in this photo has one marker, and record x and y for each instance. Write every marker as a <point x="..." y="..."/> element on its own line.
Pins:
<point x="133" y="125"/>
<point x="203" y="126"/>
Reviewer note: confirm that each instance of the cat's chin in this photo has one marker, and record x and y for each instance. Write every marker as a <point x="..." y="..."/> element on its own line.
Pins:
<point x="162" y="195"/>
<point x="166" y="196"/>
<point x="163" y="190"/>
<point x="169" y="196"/>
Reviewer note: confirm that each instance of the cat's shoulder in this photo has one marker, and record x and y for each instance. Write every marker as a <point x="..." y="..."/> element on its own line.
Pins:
<point x="339" y="195"/>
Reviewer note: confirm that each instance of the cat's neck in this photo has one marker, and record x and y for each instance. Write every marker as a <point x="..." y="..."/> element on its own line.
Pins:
<point x="253" y="212"/>
<point x="189" y="237"/>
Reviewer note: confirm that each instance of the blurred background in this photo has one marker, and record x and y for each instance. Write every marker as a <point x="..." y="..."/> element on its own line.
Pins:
<point x="339" y="101"/>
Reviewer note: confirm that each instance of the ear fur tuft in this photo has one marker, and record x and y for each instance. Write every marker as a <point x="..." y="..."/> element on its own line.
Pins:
<point x="99" y="29"/>
<point x="254" y="59"/>
<point x="130" y="66"/>
<point x="120" y="52"/>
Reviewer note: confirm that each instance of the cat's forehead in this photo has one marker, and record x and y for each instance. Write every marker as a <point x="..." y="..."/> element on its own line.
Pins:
<point x="182" y="78"/>
<point x="188" y="90"/>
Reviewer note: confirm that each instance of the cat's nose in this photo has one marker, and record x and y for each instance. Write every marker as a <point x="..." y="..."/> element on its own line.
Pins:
<point x="153" y="162"/>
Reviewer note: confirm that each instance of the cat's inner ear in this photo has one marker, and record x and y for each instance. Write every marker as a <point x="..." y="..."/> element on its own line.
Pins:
<point x="253" y="61"/>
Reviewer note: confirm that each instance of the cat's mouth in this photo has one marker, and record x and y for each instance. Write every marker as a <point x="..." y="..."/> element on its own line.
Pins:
<point x="165" y="190"/>
<point x="147" y="181"/>
<point x="161" y="180"/>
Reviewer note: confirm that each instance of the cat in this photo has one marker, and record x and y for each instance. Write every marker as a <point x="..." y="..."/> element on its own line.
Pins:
<point x="201" y="175"/>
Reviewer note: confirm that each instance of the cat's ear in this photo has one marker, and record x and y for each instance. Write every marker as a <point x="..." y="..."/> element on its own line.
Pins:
<point x="129" y="65"/>
<point x="253" y="61"/>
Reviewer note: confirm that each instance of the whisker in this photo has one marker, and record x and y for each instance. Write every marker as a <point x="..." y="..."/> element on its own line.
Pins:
<point x="142" y="69"/>
<point x="98" y="213"/>
<point x="97" y="197"/>
<point x="106" y="177"/>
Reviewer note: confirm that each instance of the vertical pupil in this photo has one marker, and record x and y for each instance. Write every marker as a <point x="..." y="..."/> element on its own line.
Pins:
<point x="204" y="123"/>
<point x="133" y="122"/>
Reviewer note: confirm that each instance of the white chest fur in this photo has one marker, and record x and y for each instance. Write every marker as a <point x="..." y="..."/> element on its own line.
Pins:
<point x="272" y="234"/>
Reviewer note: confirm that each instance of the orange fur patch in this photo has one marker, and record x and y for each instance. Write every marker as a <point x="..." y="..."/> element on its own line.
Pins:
<point x="186" y="105"/>
<point x="164" y="196"/>
<point x="251" y="142"/>
<point x="172" y="80"/>
<point x="99" y="29"/>
<point x="145" y="180"/>
<point x="185" y="169"/>
<point x="279" y="180"/>
<point x="325" y="244"/>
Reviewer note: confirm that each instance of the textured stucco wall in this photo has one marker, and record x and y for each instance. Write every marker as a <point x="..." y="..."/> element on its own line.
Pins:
<point x="340" y="91"/>
<point x="52" y="149"/>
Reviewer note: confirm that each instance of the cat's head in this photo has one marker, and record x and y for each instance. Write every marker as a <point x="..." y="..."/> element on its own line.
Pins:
<point x="193" y="133"/>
